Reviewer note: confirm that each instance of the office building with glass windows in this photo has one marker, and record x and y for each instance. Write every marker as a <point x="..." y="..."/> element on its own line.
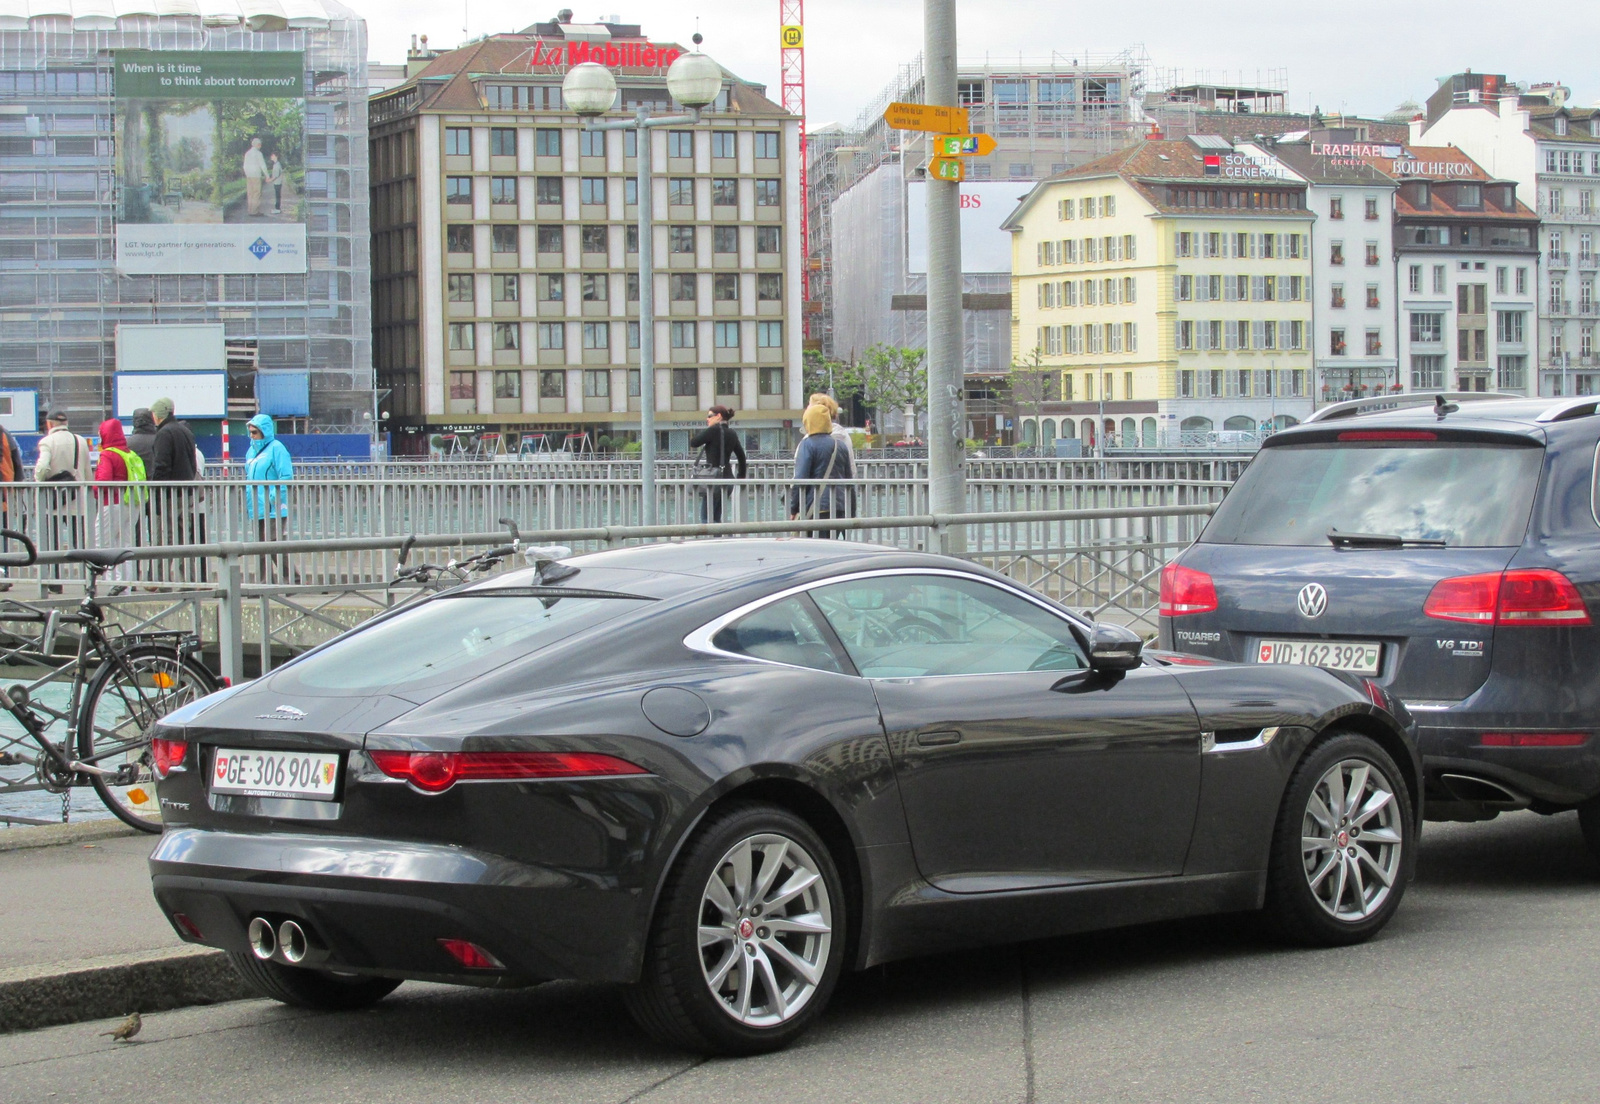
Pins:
<point x="506" y="251"/>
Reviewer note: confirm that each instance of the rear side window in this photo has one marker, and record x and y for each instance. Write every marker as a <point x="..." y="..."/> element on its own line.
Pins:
<point x="784" y="632"/>
<point x="1469" y="495"/>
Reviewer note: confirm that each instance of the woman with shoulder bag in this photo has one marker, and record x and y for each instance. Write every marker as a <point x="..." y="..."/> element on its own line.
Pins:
<point x="719" y="446"/>
<point x="821" y="457"/>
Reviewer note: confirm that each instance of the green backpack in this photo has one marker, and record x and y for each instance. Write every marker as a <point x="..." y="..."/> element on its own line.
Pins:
<point x="134" y="496"/>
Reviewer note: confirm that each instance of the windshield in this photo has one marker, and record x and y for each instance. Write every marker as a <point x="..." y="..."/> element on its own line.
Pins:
<point x="460" y="635"/>
<point x="1469" y="495"/>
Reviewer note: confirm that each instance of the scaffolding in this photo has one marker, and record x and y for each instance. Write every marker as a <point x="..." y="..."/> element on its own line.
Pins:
<point x="60" y="290"/>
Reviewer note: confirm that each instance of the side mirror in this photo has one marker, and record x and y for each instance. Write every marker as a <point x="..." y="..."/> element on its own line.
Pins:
<point x="1114" y="648"/>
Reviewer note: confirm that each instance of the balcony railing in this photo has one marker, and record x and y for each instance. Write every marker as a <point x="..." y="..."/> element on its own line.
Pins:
<point x="1558" y="259"/>
<point x="1559" y="306"/>
<point x="1569" y="214"/>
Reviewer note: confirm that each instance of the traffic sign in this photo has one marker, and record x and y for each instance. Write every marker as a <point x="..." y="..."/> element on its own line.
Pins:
<point x="915" y="116"/>
<point x="963" y="145"/>
<point x="947" y="168"/>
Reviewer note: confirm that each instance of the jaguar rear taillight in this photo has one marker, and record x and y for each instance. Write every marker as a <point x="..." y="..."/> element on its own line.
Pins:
<point x="167" y="755"/>
<point x="1185" y="591"/>
<point x="436" y="771"/>
<point x="1528" y="597"/>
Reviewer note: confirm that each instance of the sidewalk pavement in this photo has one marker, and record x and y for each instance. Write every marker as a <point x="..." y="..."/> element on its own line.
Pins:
<point x="81" y="937"/>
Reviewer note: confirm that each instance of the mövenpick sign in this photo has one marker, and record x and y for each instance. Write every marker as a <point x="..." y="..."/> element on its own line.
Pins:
<point x="613" y="55"/>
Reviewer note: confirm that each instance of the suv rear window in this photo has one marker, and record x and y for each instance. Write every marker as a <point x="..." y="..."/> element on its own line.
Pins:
<point x="1470" y="495"/>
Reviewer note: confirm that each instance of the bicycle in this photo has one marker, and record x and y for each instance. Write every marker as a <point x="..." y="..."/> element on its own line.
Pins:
<point x="120" y="686"/>
<point x="460" y="571"/>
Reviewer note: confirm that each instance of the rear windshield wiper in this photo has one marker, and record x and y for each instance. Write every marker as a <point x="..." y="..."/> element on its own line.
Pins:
<point x="1380" y="540"/>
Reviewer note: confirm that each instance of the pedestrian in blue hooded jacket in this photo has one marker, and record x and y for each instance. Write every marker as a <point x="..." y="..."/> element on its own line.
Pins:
<point x="268" y="502"/>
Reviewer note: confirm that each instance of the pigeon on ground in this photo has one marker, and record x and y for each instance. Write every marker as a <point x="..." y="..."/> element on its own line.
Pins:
<point x="127" y="1029"/>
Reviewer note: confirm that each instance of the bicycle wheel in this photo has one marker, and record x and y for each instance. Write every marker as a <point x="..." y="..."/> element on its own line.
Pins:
<point x="120" y="707"/>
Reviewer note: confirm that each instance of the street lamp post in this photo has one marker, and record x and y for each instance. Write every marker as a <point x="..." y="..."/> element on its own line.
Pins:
<point x="694" y="81"/>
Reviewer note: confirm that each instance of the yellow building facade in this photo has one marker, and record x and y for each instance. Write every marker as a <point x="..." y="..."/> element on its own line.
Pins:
<point x="1156" y="303"/>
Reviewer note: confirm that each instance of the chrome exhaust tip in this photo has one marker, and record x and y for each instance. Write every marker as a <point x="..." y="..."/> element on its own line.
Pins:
<point x="292" y="938"/>
<point x="263" y="941"/>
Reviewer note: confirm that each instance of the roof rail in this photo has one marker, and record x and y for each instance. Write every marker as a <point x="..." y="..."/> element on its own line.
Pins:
<point x="1353" y="407"/>
<point x="1567" y="409"/>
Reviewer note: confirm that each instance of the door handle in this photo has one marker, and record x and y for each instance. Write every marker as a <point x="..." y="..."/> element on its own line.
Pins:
<point x="937" y="739"/>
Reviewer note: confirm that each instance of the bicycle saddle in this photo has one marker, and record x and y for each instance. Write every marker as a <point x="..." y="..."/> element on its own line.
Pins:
<point x="102" y="558"/>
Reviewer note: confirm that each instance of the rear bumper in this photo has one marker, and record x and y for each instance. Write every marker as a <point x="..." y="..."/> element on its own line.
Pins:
<point x="381" y="906"/>
<point x="1451" y="743"/>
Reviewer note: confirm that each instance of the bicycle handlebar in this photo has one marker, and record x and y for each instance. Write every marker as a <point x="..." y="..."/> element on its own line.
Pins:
<point x="33" y="550"/>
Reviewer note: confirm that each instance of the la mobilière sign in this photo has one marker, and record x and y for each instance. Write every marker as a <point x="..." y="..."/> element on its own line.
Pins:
<point x="613" y="55"/>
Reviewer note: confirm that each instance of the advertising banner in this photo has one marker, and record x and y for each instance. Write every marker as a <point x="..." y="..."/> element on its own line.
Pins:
<point x="984" y="246"/>
<point x="193" y="394"/>
<point x="211" y="162"/>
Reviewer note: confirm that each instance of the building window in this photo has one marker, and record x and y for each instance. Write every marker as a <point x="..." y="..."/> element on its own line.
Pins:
<point x="680" y="239"/>
<point x="1510" y="327"/>
<point x="547" y="189"/>
<point x="458" y="239"/>
<point x="1511" y="373"/>
<point x="680" y="191"/>
<point x="725" y="288"/>
<point x="1372" y="254"/>
<point x="769" y="193"/>
<point x="597" y="335"/>
<point x="508" y="385"/>
<point x="633" y="339"/>
<point x="727" y="381"/>
<point x="630" y="145"/>
<point x="595" y="239"/>
<point x="458" y="189"/>
<point x="1427" y="328"/>
<point x="681" y="287"/>
<point x="463" y="336"/>
<point x="1438" y="280"/>
<point x="592" y="190"/>
<point x="1336" y="346"/>
<point x="1372" y="296"/>
<point x="464" y="386"/>
<point x="725" y="239"/>
<point x="769" y="335"/>
<point x="596" y="287"/>
<point x="1414" y="279"/>
<point x="769" y="287"/>
<point x="680" y="143"/>
<point x="459" y="287"/>
<point x="1522" y="281"/>
<point x="503" y="288"/>
<point x="1336" y="296"/>
<point x="549" y="239"/>
<point x="770" y="381"/>
<point x="502" y="142"/>
<point x="767" y="145"/>
<point x="503" y="238"/>
<point x="1185" y="335"/>
<point x="630" y="238"/>
<point x="724" y="193"/>
<point x="1427" y="372"/>
<point x="1336" y="253"/>
<point x="767" y="239"/>
<point x="685" y="383"/>
<point x="1336" y="207"/>
<point x="683" y="335"/>
<point x="458" y="141"/>
<point x="1374" y="343"/>
<point x="1502" y="280"/>
<point x="503" y="189"/>
<point x="552" y="287"/>
<point x="1372" y="208"/>
<point x="591" y="143"/>
<point x="632" y="281"/>
<point x="547" y="142"/>
<point x="723" y="143"/>
<point x="552" y="335"/>
<point x="596" y="383"/>
<point x="726" y="335"/>
<point x="552" y="385"/>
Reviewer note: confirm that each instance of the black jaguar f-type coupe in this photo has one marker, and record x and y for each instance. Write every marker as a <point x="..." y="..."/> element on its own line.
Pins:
<point x="722" y="773"/>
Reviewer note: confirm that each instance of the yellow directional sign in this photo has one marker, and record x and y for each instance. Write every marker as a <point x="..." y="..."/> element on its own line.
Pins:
<point x="794" y="37"/>
<point x="915" y="116"/>
<point x="963" y="145"/>
<point x="947" y="168"/>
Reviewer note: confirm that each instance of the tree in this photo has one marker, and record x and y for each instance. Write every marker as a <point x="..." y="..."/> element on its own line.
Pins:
<point x="835" y="377"/>
<point x="894" y="379"/>
<point x="1032" y="385"/>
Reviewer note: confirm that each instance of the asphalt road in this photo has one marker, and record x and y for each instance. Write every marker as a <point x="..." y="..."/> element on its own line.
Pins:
<point x="1482" y="989"/>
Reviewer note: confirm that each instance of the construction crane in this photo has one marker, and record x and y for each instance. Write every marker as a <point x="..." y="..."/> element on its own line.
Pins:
<point x="792" y="20"/>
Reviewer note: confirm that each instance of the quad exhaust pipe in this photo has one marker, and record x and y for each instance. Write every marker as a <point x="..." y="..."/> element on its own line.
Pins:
<point x="288" y="943"/>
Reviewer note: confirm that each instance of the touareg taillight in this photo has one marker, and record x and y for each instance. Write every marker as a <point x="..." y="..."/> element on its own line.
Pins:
<point x="1185" y="590"/>
<point x="1528" y="597"/>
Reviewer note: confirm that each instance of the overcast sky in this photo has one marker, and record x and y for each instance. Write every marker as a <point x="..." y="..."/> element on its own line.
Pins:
<point x="1362" y="56"/>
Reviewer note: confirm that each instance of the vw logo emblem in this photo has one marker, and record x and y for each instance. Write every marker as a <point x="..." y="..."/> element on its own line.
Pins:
<point x="1313" y="600"/>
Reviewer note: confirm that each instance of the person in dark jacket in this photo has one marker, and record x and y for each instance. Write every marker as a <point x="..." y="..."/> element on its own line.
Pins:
<point x="175" y="509"/>
<point x="821" y="457"/>
<point x="722" y="447"/>
<point x="143" y="438"/>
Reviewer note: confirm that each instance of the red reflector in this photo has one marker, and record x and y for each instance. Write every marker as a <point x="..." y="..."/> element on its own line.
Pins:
<point x="166" y="754"/>
<point x="1185" y="590"/>
<point x="470" y="955"/>
<point x="1536" y="597"/>
<point x="1388" y="435"/>
<point x="1534" y="739"/>
<point x="437" y="771"/>
<point x="187" y="926"/>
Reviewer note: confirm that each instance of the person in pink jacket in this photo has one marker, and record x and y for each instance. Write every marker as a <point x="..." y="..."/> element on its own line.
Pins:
<point x="112" y="524"/>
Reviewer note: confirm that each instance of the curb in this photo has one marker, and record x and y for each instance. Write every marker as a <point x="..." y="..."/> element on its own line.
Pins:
<point x="54" y="835"/>
<point x="114" y="985"/>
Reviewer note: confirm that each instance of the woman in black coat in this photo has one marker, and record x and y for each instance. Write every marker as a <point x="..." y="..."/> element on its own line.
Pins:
<point x="721" y="445"/>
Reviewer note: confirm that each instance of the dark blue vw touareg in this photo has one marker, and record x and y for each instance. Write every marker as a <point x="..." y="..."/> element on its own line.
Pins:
<point x="1446" y="547"/>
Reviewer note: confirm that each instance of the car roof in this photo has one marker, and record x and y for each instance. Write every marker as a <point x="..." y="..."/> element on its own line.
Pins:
<point x="1526" y="417"/>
